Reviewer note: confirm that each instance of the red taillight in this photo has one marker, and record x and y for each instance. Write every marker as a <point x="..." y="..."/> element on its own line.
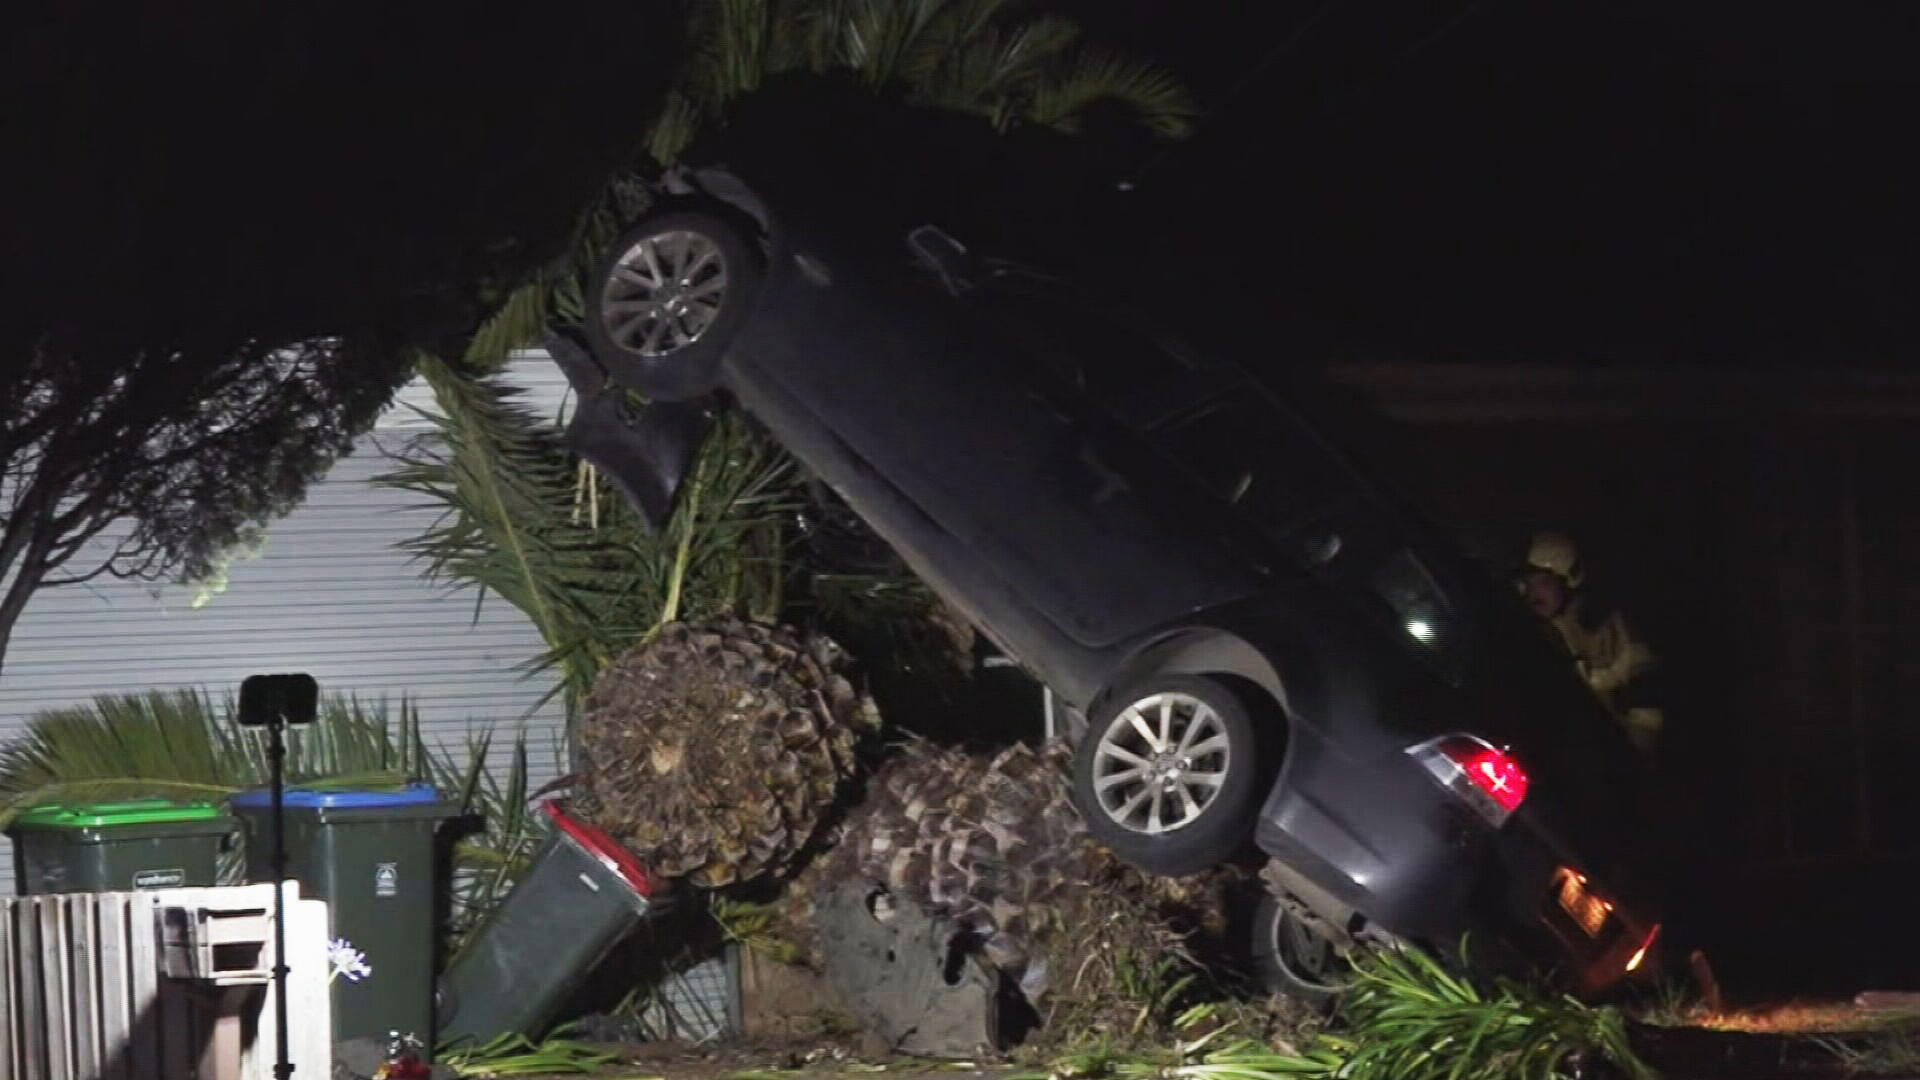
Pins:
<point x="1490" y="779"/>
<point x="1493" y="772"/>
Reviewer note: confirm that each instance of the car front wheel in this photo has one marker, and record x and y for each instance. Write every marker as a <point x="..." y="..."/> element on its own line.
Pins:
<point x="1168" y="775"/>
<point x="667" y="300"/>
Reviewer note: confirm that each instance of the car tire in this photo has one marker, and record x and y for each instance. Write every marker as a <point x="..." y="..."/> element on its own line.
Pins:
<point x="1291" y="959"/>
<point x="1116" y="761"/>
<point x="700" y="275"/>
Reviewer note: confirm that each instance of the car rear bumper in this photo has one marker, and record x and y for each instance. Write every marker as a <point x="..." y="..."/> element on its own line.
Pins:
<point x="1382" y="841"/>
<point x="1563" y="916"/>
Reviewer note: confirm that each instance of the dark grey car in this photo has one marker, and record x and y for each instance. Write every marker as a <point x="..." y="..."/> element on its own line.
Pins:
<point x="1264" y="646"/>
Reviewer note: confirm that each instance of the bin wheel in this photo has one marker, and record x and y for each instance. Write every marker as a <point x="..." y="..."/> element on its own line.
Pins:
<point x="445" y="1005"/>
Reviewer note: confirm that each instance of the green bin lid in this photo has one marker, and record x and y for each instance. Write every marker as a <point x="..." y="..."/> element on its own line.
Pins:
<point x="109" y="815"/>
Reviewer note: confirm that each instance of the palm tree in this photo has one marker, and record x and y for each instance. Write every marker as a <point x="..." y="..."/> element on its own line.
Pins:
<point x="187" y="747"/>
<point x="531" y="524"/>
<point x="992" y="58"/>
<point x="988" y="57"/>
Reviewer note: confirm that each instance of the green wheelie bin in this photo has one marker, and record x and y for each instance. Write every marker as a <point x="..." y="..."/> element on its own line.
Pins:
<point x="110" y="847"/>
<point x="373" y="857"/>
<point x="581" y="895"/>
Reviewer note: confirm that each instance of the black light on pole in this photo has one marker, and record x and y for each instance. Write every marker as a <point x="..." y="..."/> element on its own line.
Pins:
<point x="272" y="702"/>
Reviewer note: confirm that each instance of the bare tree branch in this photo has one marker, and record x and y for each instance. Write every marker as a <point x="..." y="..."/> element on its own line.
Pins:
<point x="24" y="583"/>
<point x="188" y="449"/>
<point x="67" y="548"/>
<point x="105" y="567"/>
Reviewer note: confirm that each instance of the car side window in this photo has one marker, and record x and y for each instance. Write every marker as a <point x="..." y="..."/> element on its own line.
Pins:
<point x="1092" y="352"/>
<point x="1296" y="492"/>
<point x="1218" y="446"/>
<point x="1255" y="458"/>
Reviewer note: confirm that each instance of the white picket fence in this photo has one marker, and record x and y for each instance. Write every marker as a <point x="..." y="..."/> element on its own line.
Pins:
<point x="165" y="984"/>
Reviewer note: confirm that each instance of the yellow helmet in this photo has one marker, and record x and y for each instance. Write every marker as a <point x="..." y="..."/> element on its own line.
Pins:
<point x="1555" y="553"/>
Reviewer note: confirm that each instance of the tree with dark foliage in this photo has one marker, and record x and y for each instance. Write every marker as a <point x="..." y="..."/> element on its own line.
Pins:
<point x="151" y="460"/>
<point x="232" y="227"/>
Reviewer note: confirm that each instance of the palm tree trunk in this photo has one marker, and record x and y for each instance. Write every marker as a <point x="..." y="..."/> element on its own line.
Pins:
<point x="677" y="576"/>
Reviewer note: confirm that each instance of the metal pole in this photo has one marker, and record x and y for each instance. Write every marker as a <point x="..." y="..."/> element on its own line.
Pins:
<point x="276" y="753"/>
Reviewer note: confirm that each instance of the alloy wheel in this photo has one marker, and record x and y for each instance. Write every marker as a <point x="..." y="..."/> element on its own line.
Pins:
<point x="664" y="293"/>
<point x="1161" y="763"/>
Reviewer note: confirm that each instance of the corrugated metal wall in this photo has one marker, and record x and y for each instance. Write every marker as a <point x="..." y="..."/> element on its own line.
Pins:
<point x="327" y="594"/>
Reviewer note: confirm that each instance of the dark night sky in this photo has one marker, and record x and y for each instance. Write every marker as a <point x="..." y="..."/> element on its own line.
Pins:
<point x="1648" y="182"/>
<point x="1482" y="179"/>
<point x="191" y="172"/>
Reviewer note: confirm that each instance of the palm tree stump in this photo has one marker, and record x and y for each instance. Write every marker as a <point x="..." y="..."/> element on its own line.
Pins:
<point x="718" y="750"/>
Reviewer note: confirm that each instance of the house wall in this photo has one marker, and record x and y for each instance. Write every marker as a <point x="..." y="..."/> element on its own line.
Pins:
<point x="329" y="594"/>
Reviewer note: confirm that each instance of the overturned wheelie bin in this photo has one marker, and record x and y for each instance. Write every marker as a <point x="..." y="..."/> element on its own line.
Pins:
<point x="582" y="894"/>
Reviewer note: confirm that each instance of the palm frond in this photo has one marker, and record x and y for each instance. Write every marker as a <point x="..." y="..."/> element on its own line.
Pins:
<point x="1408" y="1016"/>
<point x="1405" y="1018"/>
<point x="997" y="71"/>
<point x="124" y="789"/>
<point x="755" y="926"/>
<point x="959" y="25"/>
<point x="737" y="45"/>
<point x="680" y="119"/>
<point x="157" y="744"/>
<point x="507" y="486"/>
<point x="185" y="747"/>
<point x="352" y="744"/>
<point x="505" y="481"/>
<point x="982" y="56"/>
<point x="516" y="1055"/>
<point x="552" y="290"/>
<point x="881" y="38"/>
<point x="1153" y="95"/>
<point x="516" y="324"/>
<point x="487" y="864"/>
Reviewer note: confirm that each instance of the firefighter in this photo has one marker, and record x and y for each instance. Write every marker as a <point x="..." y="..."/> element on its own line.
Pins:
<point x="1614" y="662"/>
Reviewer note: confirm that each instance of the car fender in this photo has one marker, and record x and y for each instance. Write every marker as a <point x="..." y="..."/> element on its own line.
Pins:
<point x="705" y="186"/>
<point x="1279" y="641"/>
<point x="1200" y="650"/>
<point x="646" y="450"/>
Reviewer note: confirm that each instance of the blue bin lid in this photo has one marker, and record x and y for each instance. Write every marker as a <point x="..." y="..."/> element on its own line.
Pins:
<point x="304" y="799"/>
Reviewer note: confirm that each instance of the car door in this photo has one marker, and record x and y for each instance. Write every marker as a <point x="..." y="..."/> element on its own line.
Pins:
<point x="1295" y="497"/>
<point x="1243" y="451"/>
<point x="1124" y="550"/>
<point x="942" y="396"/>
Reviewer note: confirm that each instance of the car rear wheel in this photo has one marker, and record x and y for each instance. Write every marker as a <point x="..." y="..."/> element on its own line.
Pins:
<point x="667" y="300"/>
<point x="1293" y="958"/>
<point x="1168" y="775"/>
